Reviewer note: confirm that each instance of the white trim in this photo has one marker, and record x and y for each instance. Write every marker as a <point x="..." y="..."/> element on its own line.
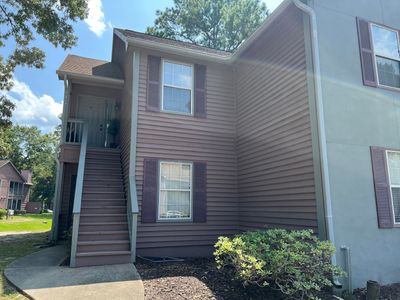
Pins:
<point x="379" y="85"/>
<point x="93" y="78"/>
<point x="177" y="87"/>
<point x="390" y="184"/>
<point x="180" y="163"/>
<point x="122" y="37"/>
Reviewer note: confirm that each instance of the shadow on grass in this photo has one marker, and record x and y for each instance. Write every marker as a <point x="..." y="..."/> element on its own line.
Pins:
<point x="12" y="247"/>
<point x="195" y="278"/>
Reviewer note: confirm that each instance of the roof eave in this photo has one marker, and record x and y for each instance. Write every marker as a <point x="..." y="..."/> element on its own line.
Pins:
<point x="154" y="45"/>
<point x="92" y="78"/>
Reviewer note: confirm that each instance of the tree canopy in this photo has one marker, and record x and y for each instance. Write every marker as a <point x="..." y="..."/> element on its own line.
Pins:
<point x="29" y="149"/>
<point x="218" y="24"/>
<point x="20" y="20"/>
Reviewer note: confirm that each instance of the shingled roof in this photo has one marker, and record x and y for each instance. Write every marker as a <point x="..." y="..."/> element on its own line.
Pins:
<point x="74" y="64"/>
<point x="147" y="37"/>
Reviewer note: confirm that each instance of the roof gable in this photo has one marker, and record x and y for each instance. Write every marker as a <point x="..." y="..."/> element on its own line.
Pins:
<point x="4" y="163"/>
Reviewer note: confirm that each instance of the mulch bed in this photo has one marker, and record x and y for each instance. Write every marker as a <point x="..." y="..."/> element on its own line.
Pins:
<point x="388" y="292"/>
<point x="195" y="279"/>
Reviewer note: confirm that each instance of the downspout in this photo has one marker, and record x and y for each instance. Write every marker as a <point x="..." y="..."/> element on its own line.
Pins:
<point x="133" y="205"/>
<point x="321" y="126"/>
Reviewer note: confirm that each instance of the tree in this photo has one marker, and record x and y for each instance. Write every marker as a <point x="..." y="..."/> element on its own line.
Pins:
<point x="218" y="24"/>
<point x="19" y="19"/>
<point x="32" y="150"/>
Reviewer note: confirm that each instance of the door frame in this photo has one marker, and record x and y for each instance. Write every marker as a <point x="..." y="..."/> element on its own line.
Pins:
<point x="108" y="101"/>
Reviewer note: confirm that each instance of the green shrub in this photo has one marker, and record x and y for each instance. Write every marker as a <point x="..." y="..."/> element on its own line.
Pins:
<point x="3" y="213"/>
<point x="20" y="212"/>
<point x="296" y="263"/>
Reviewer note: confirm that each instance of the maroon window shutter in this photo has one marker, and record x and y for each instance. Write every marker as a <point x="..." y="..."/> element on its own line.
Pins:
<point x="382" y="187"/>
<point x="199" y="192"/>
<point x="150" y="191"/>
<point x="200" y="100"/>
<point x="153" y="83"/>
<point x="366" y="53"/>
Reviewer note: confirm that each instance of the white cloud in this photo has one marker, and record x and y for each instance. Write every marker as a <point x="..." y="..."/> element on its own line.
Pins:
<point x="95" y="19"/>
<point x="41" y="111"/>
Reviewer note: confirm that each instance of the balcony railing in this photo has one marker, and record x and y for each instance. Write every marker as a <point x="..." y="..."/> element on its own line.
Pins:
<point x="74" y="131"/>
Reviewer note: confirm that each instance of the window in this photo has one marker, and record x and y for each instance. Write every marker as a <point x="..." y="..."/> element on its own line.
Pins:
<point x="15" y="194"/>
<point x="175" y="195"/>
<point x="387" y="55"/>
<point x="177" y="87"/>
<point x="393" y="161"/>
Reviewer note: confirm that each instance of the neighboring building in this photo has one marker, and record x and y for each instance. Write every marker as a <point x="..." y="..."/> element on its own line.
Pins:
<point x="292" y="130"/>
<point x="14" y="186"/>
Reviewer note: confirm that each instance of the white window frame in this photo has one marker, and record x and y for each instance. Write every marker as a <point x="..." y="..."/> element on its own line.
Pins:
<point x="177" y="87"/>
<point x="190" y="218"/>
<point x="391" y="185"/>
<point x="387" y="57"/>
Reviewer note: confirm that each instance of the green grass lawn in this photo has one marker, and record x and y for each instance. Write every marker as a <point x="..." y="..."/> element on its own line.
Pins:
<point x="11" y="248"/>
<point x="28" y="222"/>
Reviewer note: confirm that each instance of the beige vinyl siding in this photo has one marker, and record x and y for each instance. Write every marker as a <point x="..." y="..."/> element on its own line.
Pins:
<point x="170" y="136"/>
<point x="274" y="146"/>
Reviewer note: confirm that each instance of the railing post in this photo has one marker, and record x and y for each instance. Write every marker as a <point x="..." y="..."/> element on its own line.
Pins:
<point x="78" y="196"/>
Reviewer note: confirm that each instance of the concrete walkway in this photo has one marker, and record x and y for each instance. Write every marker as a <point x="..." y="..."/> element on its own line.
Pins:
<point x="40" y="277"/>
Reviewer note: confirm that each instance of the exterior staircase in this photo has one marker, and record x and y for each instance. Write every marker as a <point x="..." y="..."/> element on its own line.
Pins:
<point x="103" y="236"/>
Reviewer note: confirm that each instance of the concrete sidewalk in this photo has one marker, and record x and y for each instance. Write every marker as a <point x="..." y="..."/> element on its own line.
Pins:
<point x="41" y="277"/>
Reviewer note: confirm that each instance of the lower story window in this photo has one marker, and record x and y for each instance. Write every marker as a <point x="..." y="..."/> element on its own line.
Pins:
<point x="14" y="204"/>
<point x="175" y="194"/>
<point x="393" y="159"/>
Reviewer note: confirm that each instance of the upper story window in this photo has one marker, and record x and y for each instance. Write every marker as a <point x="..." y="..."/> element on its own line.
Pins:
<point x="15" y="194"/>
<point x="387" y="55"/>
<point x="177" y="87"/>
<point x="175" y="194"/>
<point x="393" y="161"/>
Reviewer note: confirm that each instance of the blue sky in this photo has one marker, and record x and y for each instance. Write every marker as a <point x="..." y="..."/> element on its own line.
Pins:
<point x="38" y="94"/>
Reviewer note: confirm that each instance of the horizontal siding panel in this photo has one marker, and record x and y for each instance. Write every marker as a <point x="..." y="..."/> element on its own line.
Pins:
<point x="274" y="145"/>
<point x="179" y="137"/>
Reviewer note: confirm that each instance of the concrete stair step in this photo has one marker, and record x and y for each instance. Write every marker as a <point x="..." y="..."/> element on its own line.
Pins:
<point x="102" y="195"/>
<point x="103" y="246"/>
<point x="103" y="226"/>
<point x="103" y="150"/>
<point x="98" y="176"/>
<point x="103" y="167"/>
<point x="104" y="202"/>
<point x="103" y="209"/>
<point x="105" y="217"/>
<point x="103" y="174"/>
<point x="103" y="235"/>
<point x="102" y="189"/>
<point x="102" y="162"/>
<point x="103" y="259"/>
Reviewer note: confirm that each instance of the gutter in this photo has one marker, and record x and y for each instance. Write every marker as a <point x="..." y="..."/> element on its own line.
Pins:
<point x="92" y="78"/>
<point x="321" y="126"/>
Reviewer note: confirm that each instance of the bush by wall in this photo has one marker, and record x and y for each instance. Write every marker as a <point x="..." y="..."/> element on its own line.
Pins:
<point x="3" y="213"/>
<point x="296" y="263"/>
<point x="20" y="212"/>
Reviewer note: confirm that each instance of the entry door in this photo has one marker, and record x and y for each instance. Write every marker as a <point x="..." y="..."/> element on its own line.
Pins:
<point x="93" y="111"/>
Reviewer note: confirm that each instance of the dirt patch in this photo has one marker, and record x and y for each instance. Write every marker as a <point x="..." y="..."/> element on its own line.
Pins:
<point x="388" y="292"/>
<point x="196" y="279"/>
